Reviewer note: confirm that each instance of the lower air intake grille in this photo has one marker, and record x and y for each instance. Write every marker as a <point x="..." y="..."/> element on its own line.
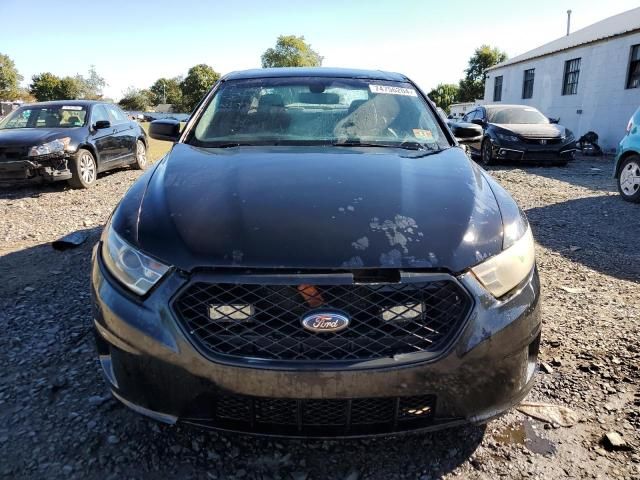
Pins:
<point x="283" y="416"/>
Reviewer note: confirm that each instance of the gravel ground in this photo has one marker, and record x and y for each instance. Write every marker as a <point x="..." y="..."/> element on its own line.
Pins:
<point x="57" y="419"/>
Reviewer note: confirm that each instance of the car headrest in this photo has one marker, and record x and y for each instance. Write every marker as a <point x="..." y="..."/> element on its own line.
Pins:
<point x="353" y="106"/>
<point x="269" y="101"/>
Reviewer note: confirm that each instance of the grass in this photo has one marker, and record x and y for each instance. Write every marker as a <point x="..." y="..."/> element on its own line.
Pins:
<point x="157" y="148"/>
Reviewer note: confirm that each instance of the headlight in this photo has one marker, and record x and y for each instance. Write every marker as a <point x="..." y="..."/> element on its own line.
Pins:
<point x="55" y="146"/>
<point x="508" y="138"/>
<point x="131" y="267"/>
<point x="505" y="271"/>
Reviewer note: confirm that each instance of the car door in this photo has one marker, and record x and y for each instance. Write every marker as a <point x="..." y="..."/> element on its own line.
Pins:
<point x="103" y="139"/>
<point x="468" y="118"/>
<point x="125" y="136"/>
<point x="479" y="115"/>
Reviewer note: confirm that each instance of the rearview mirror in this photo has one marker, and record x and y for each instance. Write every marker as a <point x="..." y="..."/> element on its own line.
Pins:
<point x="167" y="130"/>
<point x="466" y="132"/>
<point x="102" y="124"/>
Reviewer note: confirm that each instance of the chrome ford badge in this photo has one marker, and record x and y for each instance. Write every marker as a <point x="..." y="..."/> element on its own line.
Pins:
<point x="325" y="322"/>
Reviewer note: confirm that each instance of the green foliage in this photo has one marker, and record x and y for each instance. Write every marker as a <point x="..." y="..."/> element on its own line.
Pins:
<point x="471" y="86"/>
<point x="93" y="84"/>
<point x="47" y="86"/>
<point x="444" y="95"/>
<point x="167" y="90"/>
<point x="196" y="84"/>
<point x="291" y="51"/>
<point x="136" y="99"/>
<point x="70" y="88"/>
<point x="9" y="79"/>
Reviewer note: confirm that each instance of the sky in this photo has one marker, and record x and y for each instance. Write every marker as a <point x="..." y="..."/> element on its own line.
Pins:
<point x="133" y="43"/>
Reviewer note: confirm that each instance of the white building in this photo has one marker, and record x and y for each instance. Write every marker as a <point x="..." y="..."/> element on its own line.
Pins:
<point x="589" y="79"/>
<point x="458" y="110"/>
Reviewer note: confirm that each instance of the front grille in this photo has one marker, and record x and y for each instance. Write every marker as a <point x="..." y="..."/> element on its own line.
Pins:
<point x="285" y="416"/>
<point x="542" y="141"/>
<point x="13" y="153"/>
<point x="260" y="321"/>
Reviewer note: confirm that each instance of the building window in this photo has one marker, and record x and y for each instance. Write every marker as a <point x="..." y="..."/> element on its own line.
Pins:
<point x="527" y="84"/>
<point x="497" y="89"/>
<point x="571" y="74"/>
<point x="633" y="79"/>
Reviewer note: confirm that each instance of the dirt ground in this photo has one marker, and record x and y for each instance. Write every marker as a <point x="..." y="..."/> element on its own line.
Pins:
<point x="57" y="419"/>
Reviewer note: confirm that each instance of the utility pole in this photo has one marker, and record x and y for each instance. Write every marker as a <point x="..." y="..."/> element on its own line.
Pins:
<point x="568" y="22"/>
<point x="164" y="91"/>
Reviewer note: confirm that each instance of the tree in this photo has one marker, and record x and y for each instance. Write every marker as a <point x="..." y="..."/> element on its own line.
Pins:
<point x="136" y="99"/>
<point x="9" y="78"/>
<point x="196" y="84"/>
<point x="70" y="88"/>
<point x="45" y="86"/>
<point x="472" y="86"/>
<point x="444" y="95"/>
<point x="93" y="84"/>
<point x="167" y="90"/>
<point x="291" y="51"/>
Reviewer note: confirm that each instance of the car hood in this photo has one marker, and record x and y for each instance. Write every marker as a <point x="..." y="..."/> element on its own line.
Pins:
<point x="313" y="208"/>
<point x="28" y="137"/>
<point x="535" y="130"/>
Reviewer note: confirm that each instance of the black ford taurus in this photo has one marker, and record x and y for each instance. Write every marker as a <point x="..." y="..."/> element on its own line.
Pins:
<point x="316" y="256"/>
<point x="69" y="140"/>
<point x="519" y="133"/>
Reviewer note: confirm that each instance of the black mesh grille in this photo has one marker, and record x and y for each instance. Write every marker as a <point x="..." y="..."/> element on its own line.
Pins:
<point x="542" y="141"/>
<point x="359" y="416"/>
<point x="264" y="321"/>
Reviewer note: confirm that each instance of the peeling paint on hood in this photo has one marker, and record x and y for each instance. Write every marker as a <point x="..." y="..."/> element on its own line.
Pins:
<point x="280" y="207"/>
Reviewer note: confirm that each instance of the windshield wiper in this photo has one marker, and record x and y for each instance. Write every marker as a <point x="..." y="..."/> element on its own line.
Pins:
<point x="403" y="145"/>
<point x="231" y="145"/>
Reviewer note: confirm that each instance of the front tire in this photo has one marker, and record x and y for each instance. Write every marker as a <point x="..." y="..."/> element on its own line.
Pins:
<point x="486" y="153"/>
<point x="141" y="156"/>
<point x="84" y="170"/>
<point x="629" y="179"/>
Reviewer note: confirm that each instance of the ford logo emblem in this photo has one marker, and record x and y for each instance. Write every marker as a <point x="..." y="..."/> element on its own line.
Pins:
<point x="325" y="322"/>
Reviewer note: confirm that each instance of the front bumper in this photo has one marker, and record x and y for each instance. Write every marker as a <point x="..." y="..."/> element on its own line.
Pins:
<point x="37" y="169"/>
<point x="534" y="153"/>
<point x="153" y="368"/>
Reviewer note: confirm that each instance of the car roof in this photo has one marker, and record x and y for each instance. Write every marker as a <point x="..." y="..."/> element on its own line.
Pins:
<point x="499" y="106"/>
<point x="73" y="103"/>
<point x="315" y="72"/>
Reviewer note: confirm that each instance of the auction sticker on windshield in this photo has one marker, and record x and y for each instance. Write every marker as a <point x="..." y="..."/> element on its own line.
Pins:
<point x="389" y="90"/>
<point x="72" y="107"/>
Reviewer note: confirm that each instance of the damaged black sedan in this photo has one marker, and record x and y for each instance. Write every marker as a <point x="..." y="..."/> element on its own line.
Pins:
<point x="519" y="133"/>
<point x="316" y="256"/>
<point x="70" y="140"/>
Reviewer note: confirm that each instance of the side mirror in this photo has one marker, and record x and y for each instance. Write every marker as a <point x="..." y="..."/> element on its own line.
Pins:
<point x="167" y="130"/>
<point x="466" y="132"/>
<point x="478" y="121"/>
<point x="554" y="120"/>
<point x="102" y="124"/>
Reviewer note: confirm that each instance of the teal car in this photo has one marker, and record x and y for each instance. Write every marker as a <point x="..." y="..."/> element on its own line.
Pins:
<point x="627" y="166"/>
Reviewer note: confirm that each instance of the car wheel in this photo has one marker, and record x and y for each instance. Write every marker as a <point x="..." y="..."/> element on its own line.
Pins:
<point x="84" y="170"/>
<point x="141" y="156"/>
<point x="486" y="155"/>
<point x="629" y="179"/>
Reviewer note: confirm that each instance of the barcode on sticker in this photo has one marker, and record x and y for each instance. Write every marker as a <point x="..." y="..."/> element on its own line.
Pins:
<point x="389" y="90"/>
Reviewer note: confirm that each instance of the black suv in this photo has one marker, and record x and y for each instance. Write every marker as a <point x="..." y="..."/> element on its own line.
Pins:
<point x="316" y="256"/>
